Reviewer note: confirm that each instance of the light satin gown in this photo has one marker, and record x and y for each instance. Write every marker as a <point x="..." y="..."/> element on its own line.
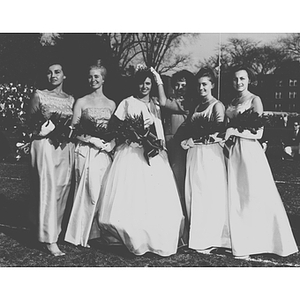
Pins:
<point x="140" y="205"/>
<point x="52" y="171"/>
<point x="206" y="192"/>
<point x="91" y="168"/>
<point x="258" y="221"/>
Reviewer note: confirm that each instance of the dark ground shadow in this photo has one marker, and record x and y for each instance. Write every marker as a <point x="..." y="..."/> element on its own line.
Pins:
<point x="295" y="224"/>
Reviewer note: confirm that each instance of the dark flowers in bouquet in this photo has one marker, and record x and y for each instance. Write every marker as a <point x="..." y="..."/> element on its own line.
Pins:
<point x="132" y="130"/>
<point x="200" y="129"/>
<point x="62" y="123"/>
<point x="90" y="126"/>
<point x="61" y="132"/>
<point x="248" y="120"/>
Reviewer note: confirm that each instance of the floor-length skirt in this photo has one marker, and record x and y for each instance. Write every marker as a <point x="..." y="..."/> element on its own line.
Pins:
<point x="91" y="167"/>
<point x="177" y="158"/>
<point x="52" y="169"/>
<point x="258" y="220"/>
<point x="206" y="197"/>
<point x="140" y="205"/>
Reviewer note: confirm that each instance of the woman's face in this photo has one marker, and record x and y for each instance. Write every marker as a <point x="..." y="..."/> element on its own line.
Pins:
<point x="145" y="87"/>
<point x="95" y="79"/>
<point x="180" y="87"/>
<point x="55" y="75"/>
<point x="204" y="86"/>
<point x="240" y="81"/>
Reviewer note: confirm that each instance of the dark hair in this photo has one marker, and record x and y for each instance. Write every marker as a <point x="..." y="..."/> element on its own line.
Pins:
<point x="190" y="82"/>
<point x="139" y="78"/>
<point x="183" y="74"/>
<point x="250" y="72"/>
<point x="207" y="72"/>
<point x="141" y="74"/>
<point x="98" y="64"/>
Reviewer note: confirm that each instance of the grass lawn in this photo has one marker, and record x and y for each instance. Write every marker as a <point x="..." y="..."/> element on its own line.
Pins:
<point x="19" y="248"/>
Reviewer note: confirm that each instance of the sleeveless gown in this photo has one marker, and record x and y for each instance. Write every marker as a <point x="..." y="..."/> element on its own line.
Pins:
<point x="140" y="205"/>
<point x="206" y="193"/>
<point x="258" y="221"/>
<point x="52" y="172"/>
<point x="91" y="167"/>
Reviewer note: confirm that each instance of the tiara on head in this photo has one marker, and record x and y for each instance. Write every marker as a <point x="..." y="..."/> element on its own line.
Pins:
<point x="140" y="67"/>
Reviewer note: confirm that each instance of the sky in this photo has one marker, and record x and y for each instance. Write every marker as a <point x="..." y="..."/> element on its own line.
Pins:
<point x="207" y="44"/>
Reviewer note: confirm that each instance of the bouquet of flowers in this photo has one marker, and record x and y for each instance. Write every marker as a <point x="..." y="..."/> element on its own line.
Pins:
<point x="248" y="120"/>
<point x="90" y="126"/>
<point x="132" y="130"/>
<point x="201" y="128"/>
<point x="61" y="132"/>
<point x="29" y="131"/>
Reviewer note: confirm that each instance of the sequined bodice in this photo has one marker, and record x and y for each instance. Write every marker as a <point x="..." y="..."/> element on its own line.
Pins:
<point x="100" y="114"/>
<point x="52" y="104"/>
<point x="233" y="110"/>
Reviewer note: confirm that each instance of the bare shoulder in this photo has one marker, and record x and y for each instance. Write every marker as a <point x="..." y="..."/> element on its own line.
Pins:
<point x="219" y="105"/>
<point x="81" y="102"/>
<point x="111" y="104"/>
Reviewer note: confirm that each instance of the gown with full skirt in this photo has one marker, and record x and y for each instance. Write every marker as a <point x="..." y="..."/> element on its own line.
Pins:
<point x="91" y="167"/>
<point x="51" y="173"/>
<point x="140" y="205"/>
<point x="258" y="221"/>
<point x="206" y="193"/>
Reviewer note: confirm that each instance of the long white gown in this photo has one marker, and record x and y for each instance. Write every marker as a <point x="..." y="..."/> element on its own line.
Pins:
<point x="140" y="205"/>
<point x="51" y="173"/>
<point x="258" y="221"/>
<point x="91" y="167"/>
<point x="206" y="192"/>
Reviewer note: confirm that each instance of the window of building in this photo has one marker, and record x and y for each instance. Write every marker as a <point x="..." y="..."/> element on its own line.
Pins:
<point x="278" y="95"/>
<point x="277" y="106"/>
<point x="293" y="82"/>
<point x="292" y="95"/>
<point x="292" y="107"/>
<point x="279" y="83"/>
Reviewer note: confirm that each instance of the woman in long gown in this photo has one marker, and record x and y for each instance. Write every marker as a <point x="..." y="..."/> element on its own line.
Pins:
<point x="176" y="110"/>
<point x="206" y="178"/>
<point x="258" y="221"/>
<point x="140" y="205"/>
<point x="52" y="165"/>
<point x="92" y="159"/>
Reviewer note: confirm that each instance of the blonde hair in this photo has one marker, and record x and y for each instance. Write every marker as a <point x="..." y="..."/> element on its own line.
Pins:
<point x="99" y="65"/>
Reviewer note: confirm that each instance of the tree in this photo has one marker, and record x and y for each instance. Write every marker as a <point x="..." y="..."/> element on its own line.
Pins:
<point x="290" y="45"/>
<point x="159" y="50"/>
<point x="20" y="55"/>
<point x="262" y="59"/>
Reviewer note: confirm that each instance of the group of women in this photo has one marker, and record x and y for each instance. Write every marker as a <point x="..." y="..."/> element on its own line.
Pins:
<point x="199" y="198"/>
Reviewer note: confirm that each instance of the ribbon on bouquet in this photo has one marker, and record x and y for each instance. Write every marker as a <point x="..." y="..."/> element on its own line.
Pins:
<point x="228" y="145"/>
<point x="151" y="144"/>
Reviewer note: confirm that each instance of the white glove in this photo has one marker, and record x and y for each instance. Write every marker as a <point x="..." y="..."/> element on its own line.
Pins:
<point x="98" y="143"/>
<point x="108" y="147"/>
<point x="157" y="77"/>
<point x="135" y="145"/>
<point x="186" y="144"/>
<point x="46" y="128"/>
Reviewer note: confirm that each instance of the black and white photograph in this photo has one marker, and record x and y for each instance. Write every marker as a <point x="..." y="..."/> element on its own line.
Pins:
<point x="149" y="148"/>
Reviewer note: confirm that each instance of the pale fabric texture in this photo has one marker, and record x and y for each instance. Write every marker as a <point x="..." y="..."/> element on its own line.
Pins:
<point x="52" y="169"/>
<point x="140" y="205"/>
<point x="258" y="221"/>
<point x="206" y="194"/>
<point x="91" y="167"/>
